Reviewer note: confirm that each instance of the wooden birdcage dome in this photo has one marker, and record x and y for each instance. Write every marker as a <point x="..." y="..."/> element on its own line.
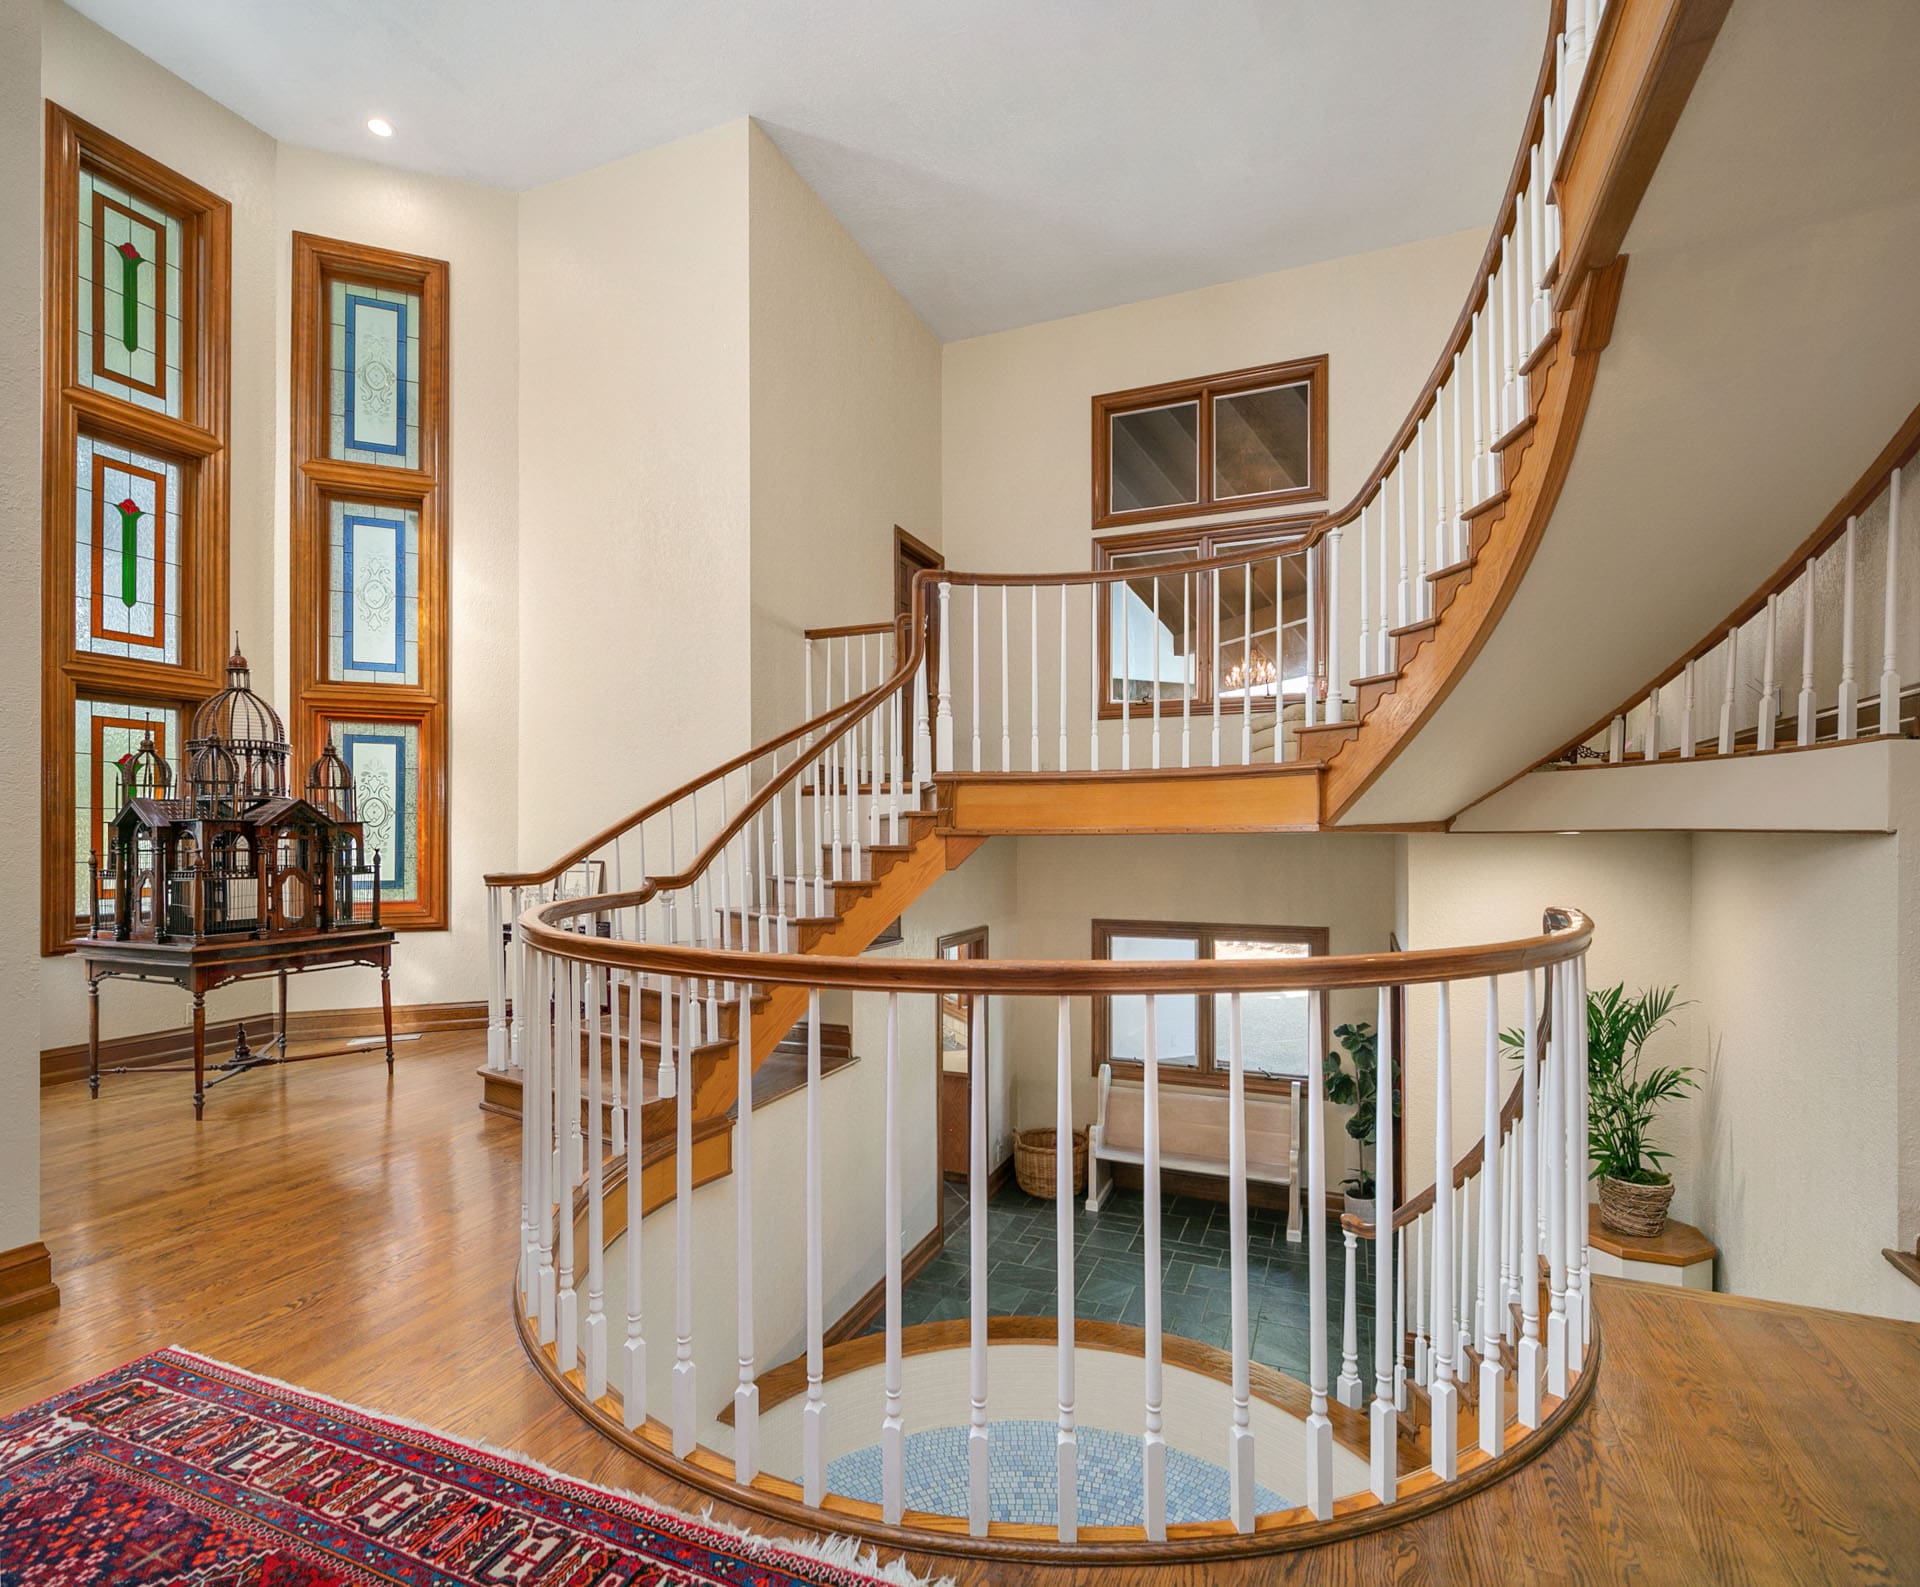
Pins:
<point x="330" y="785"/>
<point x="246" y="726"/>
<point x="145" y="774"/>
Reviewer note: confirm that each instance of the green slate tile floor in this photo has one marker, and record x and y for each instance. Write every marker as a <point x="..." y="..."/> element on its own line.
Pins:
<point x="1196" y="1279"/>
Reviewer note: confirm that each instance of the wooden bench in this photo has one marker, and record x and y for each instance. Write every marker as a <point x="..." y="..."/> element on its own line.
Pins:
<point x="1193" y="1137"/>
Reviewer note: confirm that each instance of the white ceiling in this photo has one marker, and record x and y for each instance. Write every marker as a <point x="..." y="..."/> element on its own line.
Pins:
<point x="1002" y="161"/>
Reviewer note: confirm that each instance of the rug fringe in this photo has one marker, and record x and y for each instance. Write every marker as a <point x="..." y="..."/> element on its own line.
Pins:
<point x="831" y="1549"/>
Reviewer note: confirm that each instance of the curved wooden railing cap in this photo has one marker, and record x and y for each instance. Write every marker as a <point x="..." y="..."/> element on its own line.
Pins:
<point x="1567" y="933"/>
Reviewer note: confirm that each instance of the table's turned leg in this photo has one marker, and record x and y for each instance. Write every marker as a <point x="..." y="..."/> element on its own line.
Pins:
<point x="280" y="1035"/>
<point x="386" y="1005"/>
<point x="93" y="1035"/>
<point x="199" y="1055"/>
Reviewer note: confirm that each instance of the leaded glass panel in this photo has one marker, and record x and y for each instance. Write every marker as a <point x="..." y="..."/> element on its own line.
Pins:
<point x="126" y="553"/>
<point x="105" y="733"/>
<point x="373" y="374"/>
<point x="130" y="333"/>
<point x="373" y="594"/>
<point x="384" y="758"/>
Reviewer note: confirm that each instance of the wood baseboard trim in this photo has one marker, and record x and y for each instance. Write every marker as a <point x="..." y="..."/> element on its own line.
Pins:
<point x="26" y="1282"/>
<point x="61" y="1064"/>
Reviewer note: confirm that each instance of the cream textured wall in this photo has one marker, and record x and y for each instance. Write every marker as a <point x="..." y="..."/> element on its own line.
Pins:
<point x="106" y="82"/>
<point x="845" y="429"/>
<point x="20" y="181"/>
<point x="475" y="230"/>
<point x="1016" y="457"/>
<point x="634" y="490"/>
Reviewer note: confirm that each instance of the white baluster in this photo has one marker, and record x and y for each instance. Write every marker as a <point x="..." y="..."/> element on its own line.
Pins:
<point x="1650" y="738"/>
<point x="1688" y="732"/>
<point x="633" y="1377"/>
<point x="1422" y="1313"/>
<point x="537" y="1088"/>
<point x="893" y="1427"/>
<point x="1240" y="1442"/>
<point x="1310" y="578"/>
<point x="806" y="675"/>
<point x="1153" y="1444"/>
<point x="1033" y="678"/>
<point x="498" y="951"/>
<point x="1727" y="697"/>
<point x="1125" y="616"/>
<point x="566" y="1068"/>
<point x="1401" y="1399"/>
<point x="1806" y="705"/>
<point x="1890" y="660"/>
<point x="1422" y="590"/>
<point x="813" y="1415"/>
<point x="978" y="1496"/>
<point x="1464" y="1282"/>
<point x="1066" y="1439"/>
<point x="1536" y="243"/>
<point x="922" y="734"/>
<point x="1336" y="707"/>
<point x="1769" y="711"/>
<point x="1384" y="1467"/>
<point x="1480" y="491"/>
<point x="1006" y="703"/>
<point x="746" y="1395"/>
<point x="1459" y="467"/>
<point x="1296" y="1116"/>
<point x="1246" y="670"/>
<point x="1346" y="1388"/>
<point x="1576" y="1209"/>
<point x="1096" y="685"/>
<point x="686" y="1407"/>
<point x="1441" y="552"/>
<point x="1364" y="667"/>
<point x="1493" y="1391"/>
<point x="1405" y="604"/>
<point x="1153" y="640"/>
<point x="1617" y="740"/>
<point x="596" y="1326"/>
<point x="1849" y="724"/>
<point x="1443" y="1397"/>
<point x="1382" y="634"/>
<point x="1186" y="671"/>
<point x="1062" y="751"/>
<point x="1319" y="1429"/>
<point x="1582" y="1250"/>
<point x="943" y="752"/>
<point x="1553" y="1137"/>
<point x="1214" y="679"/>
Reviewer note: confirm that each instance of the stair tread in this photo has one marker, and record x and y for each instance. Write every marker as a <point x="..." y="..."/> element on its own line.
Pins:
<point x="1465" y="565"/>
<point x="1422" y="626"/>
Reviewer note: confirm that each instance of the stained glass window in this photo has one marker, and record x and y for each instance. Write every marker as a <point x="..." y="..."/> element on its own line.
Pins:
<point x="384" y="758"/>
<point x="126" y="553"/>
<point x="106" y="732"/>
<point x="373" y="601"/>
<point x="129" y="300"/>
<point x="374" y="374"/>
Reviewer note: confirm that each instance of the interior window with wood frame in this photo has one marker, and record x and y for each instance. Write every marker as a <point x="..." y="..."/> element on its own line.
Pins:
<point x="369" y="584"/>
<point x="1192" y="1032"/>
<point x="1248" y="438"/>
<point x="134" y="484"/>
<point x="1183" y="633"/>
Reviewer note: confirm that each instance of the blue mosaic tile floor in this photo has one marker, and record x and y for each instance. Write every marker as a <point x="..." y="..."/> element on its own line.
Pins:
<point x="1021" y="1477"/>
<point x="1196" y="1283"/>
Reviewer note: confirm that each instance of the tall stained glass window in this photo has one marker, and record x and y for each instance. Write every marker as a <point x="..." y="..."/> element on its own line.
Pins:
<point x="369" y="586"/>
<point x="135" y="423"/>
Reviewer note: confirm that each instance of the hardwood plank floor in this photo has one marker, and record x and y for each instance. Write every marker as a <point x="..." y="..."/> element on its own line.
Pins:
<point x="357" y="1239"/>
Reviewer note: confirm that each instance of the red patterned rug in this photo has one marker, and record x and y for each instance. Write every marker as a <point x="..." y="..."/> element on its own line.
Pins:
<point x="177" y="1469"/>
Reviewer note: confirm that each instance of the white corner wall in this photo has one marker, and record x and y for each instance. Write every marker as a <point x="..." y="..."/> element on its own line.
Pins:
<point x="845" y="429"/>
<point x="634" y="485"/>
<point x="20" y="396"/>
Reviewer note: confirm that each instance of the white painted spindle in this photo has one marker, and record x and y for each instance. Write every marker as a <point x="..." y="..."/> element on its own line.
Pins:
<point x="1066" y="1439"/>
<point x="893" y="1426"/>
<point x="1240" y="1438"/>
<point x="1319" y="1429"/>
<point x="1442" y="1395"/>
<point x="813" y="1415"/>
<point x="1849" y="724"/>
<point x="1153" y="1444"/>
<point x="978" y="1496"/>
<point x="1384" y="1469"/>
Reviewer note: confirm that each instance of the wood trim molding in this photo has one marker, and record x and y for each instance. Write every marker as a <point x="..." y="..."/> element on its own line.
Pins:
<point x="194" y="442"/>
<point x="175" y="1045"/>
<point x="1204" y="391"/>
<point x="26" y="1282"/>
<point x="318" y="480"/>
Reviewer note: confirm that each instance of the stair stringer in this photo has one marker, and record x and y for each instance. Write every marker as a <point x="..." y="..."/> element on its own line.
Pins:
<point x="1535" y="461"/>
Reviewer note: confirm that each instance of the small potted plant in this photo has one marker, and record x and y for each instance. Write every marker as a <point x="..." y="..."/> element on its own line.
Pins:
<point x="1353" y="1082"/>
<point x="1622" y="1101"/>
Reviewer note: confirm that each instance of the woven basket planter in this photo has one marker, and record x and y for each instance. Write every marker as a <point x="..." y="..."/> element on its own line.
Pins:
<point x="1627" y="1208"/>
<point x="1033" y="1162"/>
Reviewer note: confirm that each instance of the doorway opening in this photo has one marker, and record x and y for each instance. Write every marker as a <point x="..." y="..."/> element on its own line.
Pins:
<point x="957" y="1076"/>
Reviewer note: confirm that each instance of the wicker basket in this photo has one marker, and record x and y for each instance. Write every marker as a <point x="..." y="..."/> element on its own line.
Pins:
<point x="1034" y="1166"/>
<point x="1627" y="1208"/>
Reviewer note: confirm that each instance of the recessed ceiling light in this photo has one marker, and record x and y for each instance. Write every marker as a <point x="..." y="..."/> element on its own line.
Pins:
<point x="380" y="127"/>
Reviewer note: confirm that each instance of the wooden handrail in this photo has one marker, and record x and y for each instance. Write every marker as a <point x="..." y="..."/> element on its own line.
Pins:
<point x="1895" y="455"/>
<point x="847" y="631"/>
<point x="1567" y="935"/>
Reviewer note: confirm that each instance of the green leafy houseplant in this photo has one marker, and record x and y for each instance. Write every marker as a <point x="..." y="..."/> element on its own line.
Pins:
<point x="1358" y="1088"/>
<point x="1623" y="1100"/>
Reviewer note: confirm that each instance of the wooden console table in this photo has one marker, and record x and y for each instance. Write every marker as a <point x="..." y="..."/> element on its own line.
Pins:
<point x="201" y="965"/>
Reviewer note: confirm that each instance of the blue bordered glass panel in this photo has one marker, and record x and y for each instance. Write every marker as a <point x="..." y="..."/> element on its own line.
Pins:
<point x="373" y="594"/>
<point x="104" y="733"/>
<point x="373" y="374"/>
<point x="384" y="758"/>
<point x="129" y="297"/>
<point x="127" y="579"/>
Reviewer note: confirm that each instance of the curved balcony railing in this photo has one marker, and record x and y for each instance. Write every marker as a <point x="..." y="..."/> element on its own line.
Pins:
<point x="1463" y="1311"/>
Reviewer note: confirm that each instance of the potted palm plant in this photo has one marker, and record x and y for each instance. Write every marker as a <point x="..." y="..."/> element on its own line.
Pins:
<point x="1623" y="1099"/>
<point x="1353" y="1082"/>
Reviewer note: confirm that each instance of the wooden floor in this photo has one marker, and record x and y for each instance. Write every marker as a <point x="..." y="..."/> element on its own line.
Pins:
<point x="357" y="1239"/>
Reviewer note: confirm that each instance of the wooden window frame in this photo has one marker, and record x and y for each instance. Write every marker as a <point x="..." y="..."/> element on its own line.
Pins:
<point x="196" y="442"/>
<point x="317" y="481"/>
<point x="1203" y="391"/>
<point x="1205" y="1074"/>
<point x="1206" y="541"/>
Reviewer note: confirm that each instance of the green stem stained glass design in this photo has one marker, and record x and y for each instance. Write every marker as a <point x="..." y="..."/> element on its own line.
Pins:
<point x="130" y="515"/>
<point x="130" y="262"/>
